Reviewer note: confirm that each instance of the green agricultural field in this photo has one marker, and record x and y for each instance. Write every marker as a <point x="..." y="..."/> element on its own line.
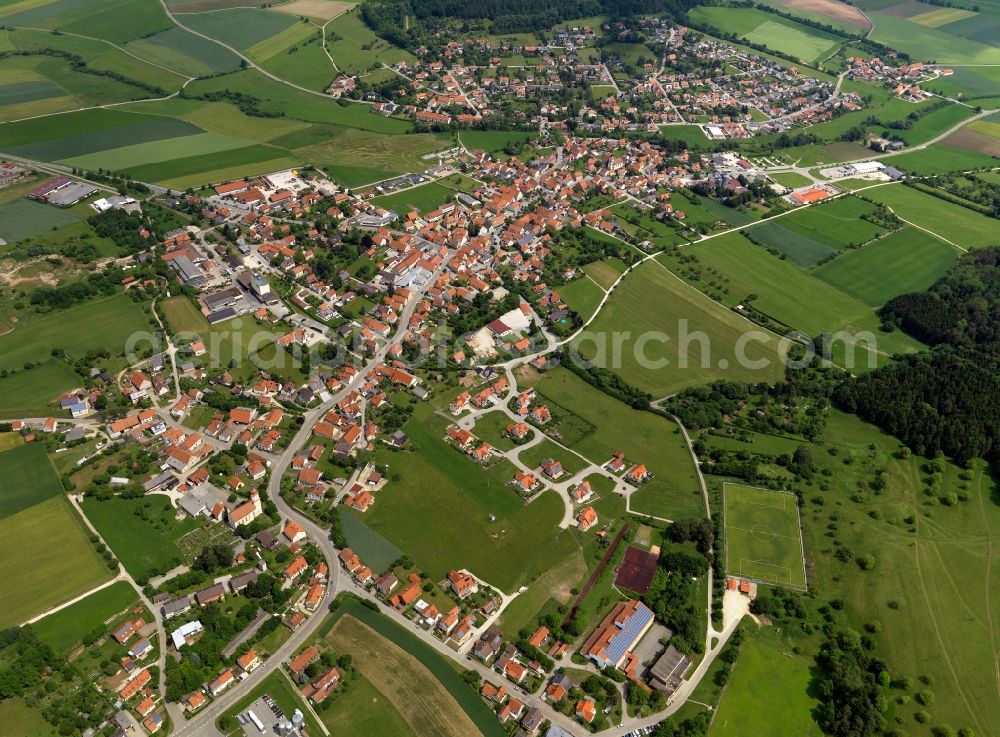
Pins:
<point x="848" y="19"/>
<point x="365" y="710"/>
<point x="189" y="171"/>
<point x="932" y="124"/>
<point x="763" y="538"/>
<point x="67" y="627"/>
<point x="355" y="48"/>
<point x="926" y="43"/>
<point x="25" y="218"/>
<point x="241" y="28"/>
<point x="116" y="20"/>
<point x="90" y="131"/>
<point x="425" y="198"/>
<point x="10" y="440"/>
<point x="37" y="573"/>
<point x="182" y="316"/>
<point x="908" y="260"/>
<point x="125" y="158"/>
<point x="40" y="89"/>
<point x="800" y="249"/>
<point x="836" y="223"/>
<point x="225" y="119"/>
<point x="177" y="48"/>
<point x="949" y="222"/>
<point x="142" y="533"/>
<point x="661" y="312"/>
<point x="101" y="323"/>
<point x="768" y="693"/>
<point x="968" y="82"/>
<point x="28" y="479"/>
<point x="279" y="98"/>
<point x="645" y="438"/>
<point x="98" y="55"/>
<point x="776" y="33"/>
<point x="29" y="393"/>
<point x="746" y="269"/>
<point x="553" y="587"/>
<point x="273" y="46"/>
<point x="940" y="159"/>
<point x="582" y="295"/>
<point x="377" y="552"/>
<point x="439" y="477"/>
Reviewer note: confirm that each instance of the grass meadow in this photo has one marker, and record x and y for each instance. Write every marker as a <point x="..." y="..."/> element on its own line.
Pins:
<point x="67" y="627"/>
<point x="28" y="478"/>
<point x="366" y="710"/>
<point x="950" y="222"/>
<point x="582" y="295"/>
<point x="355" y="157"/>
<point x="835" y="224"/>
<point x="101" y="323"/>
<point x="645" y="437"/>
<point x="24" y="721"/>
<point x="653" y="302"/>
<point x="438" y="477"/>
<point x="606" y="271"/>
<point x="142" y="533"/>
<point x="355" y="48"/>
<point x="298" y="104"/>
<point x="929" y="584"/>
<point x="768" y="693"/>
<point x="53" y="559"/>
<point x="377" y="552"/>
<point x="30" y="393"/>
<point x="424" y="198"/>
<point x="177" y="48"/>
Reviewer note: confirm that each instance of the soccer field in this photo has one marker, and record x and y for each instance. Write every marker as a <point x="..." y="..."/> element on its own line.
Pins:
<point x="763" y="536"/>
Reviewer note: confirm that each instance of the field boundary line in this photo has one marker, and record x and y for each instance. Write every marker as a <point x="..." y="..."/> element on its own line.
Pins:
<point x="114" y="45"/>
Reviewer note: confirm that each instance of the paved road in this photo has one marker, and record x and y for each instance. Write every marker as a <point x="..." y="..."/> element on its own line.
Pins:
<point x="202" y="724"/>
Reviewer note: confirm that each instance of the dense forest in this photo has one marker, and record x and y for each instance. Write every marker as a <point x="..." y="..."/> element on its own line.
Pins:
<point x="962" y="308"/>
<point x="947" y="399"/>
<point x="400" y="21"/>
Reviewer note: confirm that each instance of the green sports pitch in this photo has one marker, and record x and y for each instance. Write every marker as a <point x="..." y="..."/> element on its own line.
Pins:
<point x="763" y="536"/>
